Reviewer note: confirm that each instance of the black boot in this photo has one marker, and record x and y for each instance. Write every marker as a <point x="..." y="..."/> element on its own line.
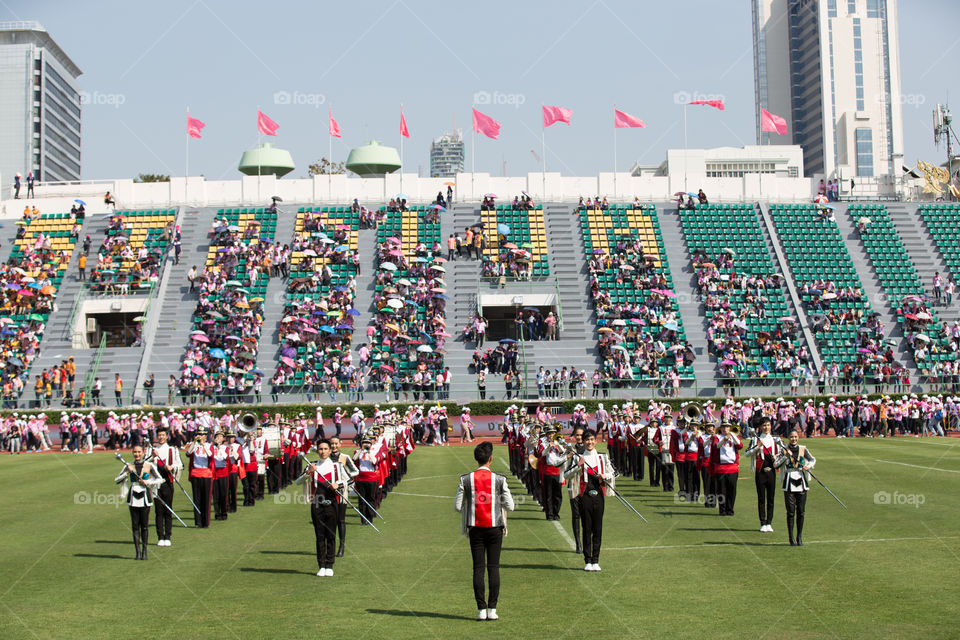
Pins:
<point x="340" y="550"/>
<point x="144" y="537"/>
<point x="790" y="532"/>
<point x="136" y="543"/>
<point x="799" y="530"/>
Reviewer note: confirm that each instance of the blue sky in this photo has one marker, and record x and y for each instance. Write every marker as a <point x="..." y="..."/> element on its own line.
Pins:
<point x="145" y="63"/>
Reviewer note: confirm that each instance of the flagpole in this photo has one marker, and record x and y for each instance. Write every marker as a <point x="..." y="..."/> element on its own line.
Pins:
<point x="685" y="148"/>
<point x="473" y="163"/>
<point x="401" y="156"/>
<point x="259" y="153"/>
<point x="186" y="169"/>
<point x="330" y="156"/>
<point x="614" y="154"/>
<point x="543" y="160"/>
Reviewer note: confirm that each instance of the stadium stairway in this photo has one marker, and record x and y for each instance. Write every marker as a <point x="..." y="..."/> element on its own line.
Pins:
<point x="366" y="287"/>
<point x="685" y="286"/>
<point x="871" y="284"/>
<point x="923" y="251"/>
<point x="461" y="279"/>
<point x="275" y="300"/>
<point x="174" y="306"/>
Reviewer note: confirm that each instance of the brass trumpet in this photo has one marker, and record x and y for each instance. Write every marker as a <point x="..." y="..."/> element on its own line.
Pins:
<point x="692" y="412"/>
<point x="248" y="425"/>
<point x="735" y="429"/>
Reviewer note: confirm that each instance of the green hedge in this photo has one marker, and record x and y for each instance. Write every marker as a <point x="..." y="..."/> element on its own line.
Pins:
<point x="478" y="408"/>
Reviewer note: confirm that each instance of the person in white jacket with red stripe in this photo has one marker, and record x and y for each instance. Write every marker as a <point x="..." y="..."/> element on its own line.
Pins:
<point x="483" y="498"/>
<point x="327" y="479"/>
<point x="593" y="473"/>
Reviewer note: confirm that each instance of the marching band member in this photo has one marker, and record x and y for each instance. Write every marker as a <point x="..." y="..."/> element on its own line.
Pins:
<point x="201" y="478"/>
<point x="169" y="466"/>
<point x="635" y="439"/>
<point x="351" y="472"/>
<point x="251" y="469"/>
<point x="221" y="473"/>
<point x="573" y="485"/>
<point x="554" y="456"/>
<point x="765" y="449"/>
<point x="662" y="439"/>
<point x="140" y="482"/>
<point x="704" y="443"/>
<point x="653" y="451"/>
<point x="725" y="465"/>
<point x="796" y="461"/>
<point x="691" y="444"/>
<point x="327" y="481"/>
<point x="368" y="476"/>
<point x="483" y="497"/>
<point x="594" y="474"/>
<point x="678" y="451"/>
<point x="236" y="470"/>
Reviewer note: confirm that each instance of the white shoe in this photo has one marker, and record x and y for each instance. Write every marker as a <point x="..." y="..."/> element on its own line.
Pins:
<point x="492" y="614"/>
<point x="329" y="573"/>
<point x="596" y="567"/>
<point x="481" y="614"/>
<point x="769" y="530"/>
<point x="763" y="528"/>
<point x="588" y="567"/>
<point x="322" y="573"/>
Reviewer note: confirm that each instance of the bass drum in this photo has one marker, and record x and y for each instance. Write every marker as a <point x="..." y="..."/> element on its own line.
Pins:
<point x="272" y="434"/>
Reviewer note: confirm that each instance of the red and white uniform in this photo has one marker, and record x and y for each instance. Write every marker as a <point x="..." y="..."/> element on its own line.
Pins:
<point x="201" y="461"/>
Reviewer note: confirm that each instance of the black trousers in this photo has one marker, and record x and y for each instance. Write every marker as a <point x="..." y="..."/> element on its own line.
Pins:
<point x="766" y="485"/>
<point x="552" y="495"/>
<point x="726" y="492"/>
<point x="591" y="516"/>
<point x="261" y="482"/>
<point x="654" y="463"/>
<point x="666" y="476"/>
<point x="250" y="489"/>
<point x="636" y="462"/>
<point x="367" y="491"/>
<point x="201" y="496"/>
<point x="220" y="487"/>
<point x="273" y="475"/>
<point x="709" y="488"/>
<point x="342" y="522"/>
<point x="324" y="519"/>
<point x="485" y="543"/>
<point x="693" y="480"/>
<point x="795" y="503"/>
<point x="140" y="525"/>
<point x="232" y="481"/>
<point x="575" y="518"/>
<point x="163" y="515"/>
<point x="681" y="468"/>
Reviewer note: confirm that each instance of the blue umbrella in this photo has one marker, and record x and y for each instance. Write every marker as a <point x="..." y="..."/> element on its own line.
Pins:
<point x="81" y="202"/>
<point x="342" y="247"/>
<point x="441" y="296"/>
<point x="218" y="353"/>
<point x="507" y="341"/>
<point x="401" y="196"/>
<point x="327" y="329"/>
<point x="352" y="312"/>
<point x="257" y="372"/>
<point x="7" y="332"/>
<point x="344" y="326"/>
<point x="670" y="326"/>
<point x="289" y="352"/>
<point x="504" y="229"/>
<point x="339" y="287"/>
<point x="15" y="362"/>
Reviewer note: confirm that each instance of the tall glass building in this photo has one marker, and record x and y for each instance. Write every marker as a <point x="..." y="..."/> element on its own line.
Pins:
<point x="39" y="106"/>
<point x="831" y="68"/>
<point x="447" y="155"/>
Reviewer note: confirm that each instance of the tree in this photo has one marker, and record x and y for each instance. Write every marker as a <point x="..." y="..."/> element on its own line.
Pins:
<point x="152" y="177"/>
<point x="324" y="167"/>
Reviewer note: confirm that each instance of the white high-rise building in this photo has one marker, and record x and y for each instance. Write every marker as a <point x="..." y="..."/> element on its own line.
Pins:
<point x="39" y="106"/>
<point x="447" y="155"/>
<point x="831" y="68"/>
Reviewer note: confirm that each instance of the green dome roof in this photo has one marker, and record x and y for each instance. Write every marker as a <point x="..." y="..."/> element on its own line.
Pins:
<point x="372" y="159"/>
<point x="276" y="162"/>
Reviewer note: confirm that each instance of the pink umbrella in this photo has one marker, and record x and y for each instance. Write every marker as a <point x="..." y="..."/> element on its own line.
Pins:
<point x="309" y="330"/>
<point x="288" y="361"/>
<point x="443" y="334"/>
<point x="197" y="370"/>
<point x="201" y="338"/>
<point x="395" y="252"/>
<point x="25" y="292"/>
<point x="393" y="240"/>
<point x="728" y="362"/>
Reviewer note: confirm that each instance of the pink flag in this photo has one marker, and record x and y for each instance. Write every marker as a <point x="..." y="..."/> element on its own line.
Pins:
<point x="486" y="125"/>
<point x="194" y="127"/>
<point x="623" y="120"/>
<point x="265" y="125"/>
<point x="717" y="104"/>
<point x="556" y="114"/>
<point x="334" y="126"/>
<point x="403" y="125"/>
<point x="772" y="122"/>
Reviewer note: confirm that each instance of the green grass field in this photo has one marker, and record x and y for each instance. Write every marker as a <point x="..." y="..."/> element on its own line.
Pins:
<point x="874" y="571"/>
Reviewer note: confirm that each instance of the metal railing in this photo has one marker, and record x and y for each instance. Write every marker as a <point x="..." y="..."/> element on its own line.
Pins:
<point x="94" y="370"/>
<point x="69" y="332"/>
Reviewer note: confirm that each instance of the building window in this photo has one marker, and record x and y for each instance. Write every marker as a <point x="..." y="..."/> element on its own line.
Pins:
<point x="858" y="62"/>
<point x="873" y="8"/>
<point x="864" y="153"/>
<point x="851" y="6"/>
<point x="831" y="8"/>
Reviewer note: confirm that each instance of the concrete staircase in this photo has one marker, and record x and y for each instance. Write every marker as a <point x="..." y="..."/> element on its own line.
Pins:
<point x="461" y="278"/>
<point x="871" y="284"/>
<point x="275" y="300"/>
<point x="923" y="252"/>
<point x="175" y="306"/>
<point x="685" y="286"/>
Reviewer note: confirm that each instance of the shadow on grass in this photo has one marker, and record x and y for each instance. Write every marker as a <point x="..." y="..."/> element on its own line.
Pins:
<point x="715" y="529"/>
<point x="101" y="555"/>
<point x="738" y="543"/>
<point x="113" y="541"/>
<point x="288" y="553"/>
<point x="537" y="566"/>
<point x="711" y="513"/>
<point x="419" y="614"/>
<point x="279" y="571"/>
